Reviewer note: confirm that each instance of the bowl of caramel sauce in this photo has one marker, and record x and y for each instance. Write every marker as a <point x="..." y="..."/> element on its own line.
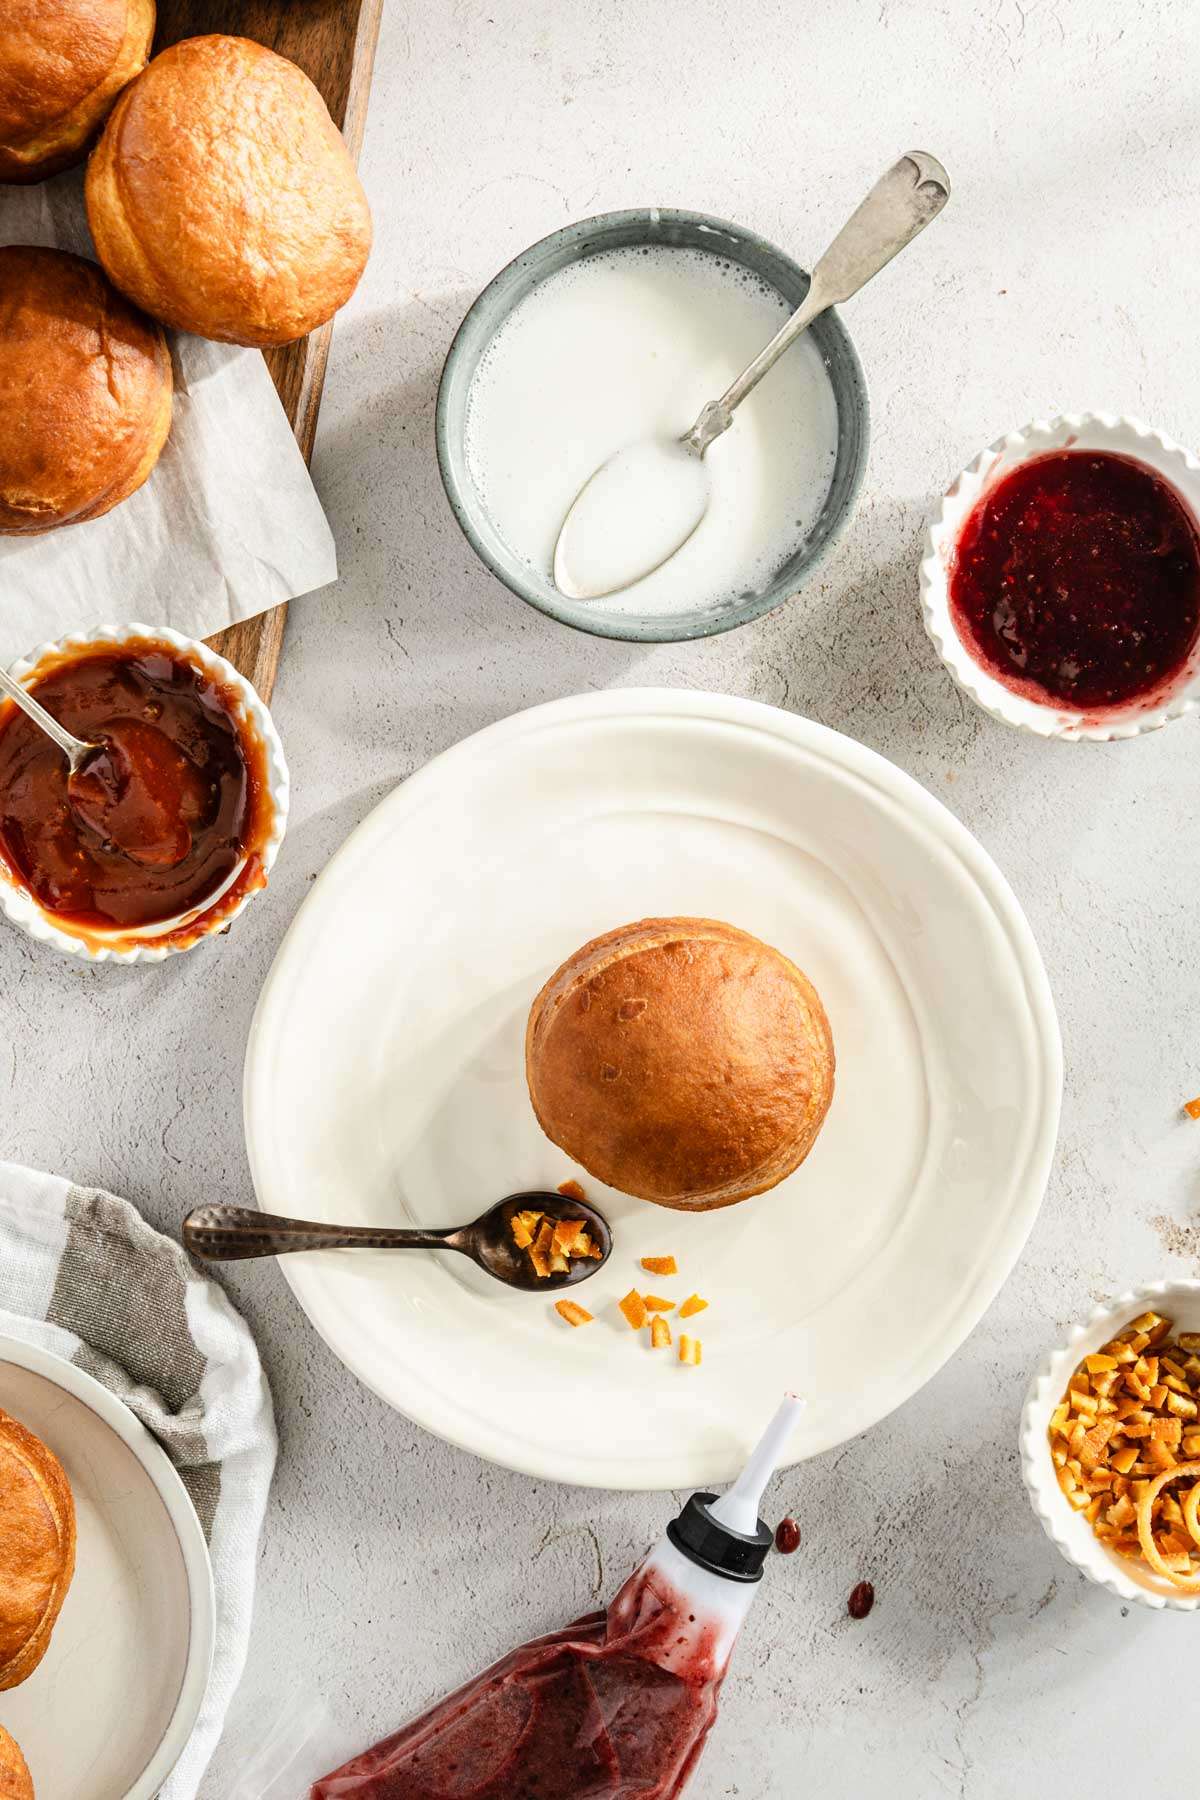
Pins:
<point x="170" y="828"/>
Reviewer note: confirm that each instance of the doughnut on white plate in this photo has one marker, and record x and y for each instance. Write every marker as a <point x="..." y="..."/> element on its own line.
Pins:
<point x="385" y="1083"/>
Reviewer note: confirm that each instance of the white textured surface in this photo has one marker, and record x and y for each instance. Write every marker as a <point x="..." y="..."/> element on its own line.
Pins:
<point x="1058" y="278"/>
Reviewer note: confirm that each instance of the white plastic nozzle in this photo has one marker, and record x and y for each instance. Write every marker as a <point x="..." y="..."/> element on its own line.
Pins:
<point x="738" y="1507"/>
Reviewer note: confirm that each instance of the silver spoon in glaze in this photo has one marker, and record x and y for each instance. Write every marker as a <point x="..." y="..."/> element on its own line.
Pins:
<point x="234" y="1233"/>
<point x="644" y="503"/>
<point x="145" y="826"/>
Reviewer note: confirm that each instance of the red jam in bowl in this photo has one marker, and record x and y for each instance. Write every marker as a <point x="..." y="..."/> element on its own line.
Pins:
<point x="173" y="813"/>
<point x="1076" y="581"/>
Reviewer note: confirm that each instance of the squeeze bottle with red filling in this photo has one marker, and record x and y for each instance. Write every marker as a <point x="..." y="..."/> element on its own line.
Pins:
<point x="616" y="1706"/>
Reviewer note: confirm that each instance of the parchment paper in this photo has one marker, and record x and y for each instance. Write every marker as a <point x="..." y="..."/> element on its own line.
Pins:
<point x="228" y="524"/>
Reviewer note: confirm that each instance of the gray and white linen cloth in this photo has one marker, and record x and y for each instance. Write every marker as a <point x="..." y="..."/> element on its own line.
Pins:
<point x="84" y="1276"/>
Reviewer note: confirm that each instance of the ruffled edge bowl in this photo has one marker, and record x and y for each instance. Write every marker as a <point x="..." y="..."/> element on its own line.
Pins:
<point x="24" y="911"/>
<point x="1070" y="431"/>
<point x="1068" y="1530"/>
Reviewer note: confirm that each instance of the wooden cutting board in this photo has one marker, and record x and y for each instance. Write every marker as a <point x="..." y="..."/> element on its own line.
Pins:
<point x="334" y="43"/>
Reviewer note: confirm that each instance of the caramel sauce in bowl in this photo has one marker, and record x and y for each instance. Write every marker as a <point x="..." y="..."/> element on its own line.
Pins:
<point x="249" y="774"/>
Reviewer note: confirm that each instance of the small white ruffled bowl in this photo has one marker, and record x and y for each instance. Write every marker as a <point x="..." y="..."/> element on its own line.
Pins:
<point x="1178" y="1301"/>
<point x="1072" y="431"/>
<point x="145" y="944"/>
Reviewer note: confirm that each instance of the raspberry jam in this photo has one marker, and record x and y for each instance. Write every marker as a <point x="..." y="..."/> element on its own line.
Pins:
<point x="1076" y="580"/>
<point x="615" y="1707"/>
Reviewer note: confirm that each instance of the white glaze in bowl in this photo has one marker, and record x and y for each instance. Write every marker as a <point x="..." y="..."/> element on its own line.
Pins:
<point x="1071" y="431"/>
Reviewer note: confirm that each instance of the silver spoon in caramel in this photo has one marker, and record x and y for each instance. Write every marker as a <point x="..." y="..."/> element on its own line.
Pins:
<point x="234" y="1233"/>
<point x="101" y="785"/>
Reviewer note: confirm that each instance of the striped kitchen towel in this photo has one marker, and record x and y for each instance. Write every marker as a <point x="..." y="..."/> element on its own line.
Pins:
<point x="84" y="1276"/>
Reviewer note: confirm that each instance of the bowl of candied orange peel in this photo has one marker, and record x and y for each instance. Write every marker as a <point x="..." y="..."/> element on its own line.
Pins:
<point x="1110" y="1446"/>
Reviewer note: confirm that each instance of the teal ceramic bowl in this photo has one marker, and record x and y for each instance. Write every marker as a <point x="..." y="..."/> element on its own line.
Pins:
<point x="618" y="231"/>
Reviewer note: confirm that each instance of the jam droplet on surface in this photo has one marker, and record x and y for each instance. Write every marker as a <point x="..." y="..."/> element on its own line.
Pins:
<point x="862" y="1599"/>
<point x="1076" y="580"/>
<point x="787" y="1537"/>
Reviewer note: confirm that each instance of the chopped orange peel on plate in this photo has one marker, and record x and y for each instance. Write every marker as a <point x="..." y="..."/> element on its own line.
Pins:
<point x="552" y="1245"/>
<point x="634" y="1308"/>
<point x="1126" y="1430"/>
<point x="1192" y="1108"/>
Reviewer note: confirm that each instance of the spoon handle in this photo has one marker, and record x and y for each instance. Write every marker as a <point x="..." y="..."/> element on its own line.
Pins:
<point x="897" y="209"/>
<point x="71" y="747"/>
<point x="235" y="1233"/>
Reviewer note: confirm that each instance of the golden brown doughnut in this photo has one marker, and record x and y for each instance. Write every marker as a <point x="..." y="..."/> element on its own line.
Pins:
<point x="62" y="65"/>
<point x="681" y="1060"/>
<point x="85" y="391"/>
<point x="15" y="1781"/>
<point x="222" y="198"/>
<point x="37" y="1548"/>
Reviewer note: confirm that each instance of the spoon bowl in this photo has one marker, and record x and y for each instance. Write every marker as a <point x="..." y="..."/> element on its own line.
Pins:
<point x="237" y="1233"/>
<point x="121" y="790"/>
<point x="657" y="491"/>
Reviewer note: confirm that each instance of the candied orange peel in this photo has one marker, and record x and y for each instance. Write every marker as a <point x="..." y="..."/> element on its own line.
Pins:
<point x="657" y="1303"/>
<point x="692" y="1305"/>
<point x="634" y="1308"/>
<point x="1192" y="1108"/>
<point x="660" y="1265"/>
<point x="689" y="1350"/>
<point x="660" y="1333"/>
<point x="572" y="1313"/>
<point x="1124" y="1436"/>
<point x="552" y="1244"/>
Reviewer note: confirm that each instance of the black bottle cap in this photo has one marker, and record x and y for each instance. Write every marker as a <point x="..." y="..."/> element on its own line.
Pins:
<point x="705" y="1541"/>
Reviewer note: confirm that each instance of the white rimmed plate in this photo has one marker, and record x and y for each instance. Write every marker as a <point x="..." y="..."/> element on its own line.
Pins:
<point x="107" y="1712"/>
<point x="385" y="1082"/>
<point x="1068" y="1530"/>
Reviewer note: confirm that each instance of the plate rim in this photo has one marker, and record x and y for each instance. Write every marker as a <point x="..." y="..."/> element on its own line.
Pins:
<point x="197" y="1563"/>
<point x="843" y="751"/>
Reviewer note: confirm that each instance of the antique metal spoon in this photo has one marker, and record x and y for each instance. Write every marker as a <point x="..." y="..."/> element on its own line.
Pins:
<point x="644" y="503"/>
<point x="77" y="752"/>
<point x="231" y="1233"/>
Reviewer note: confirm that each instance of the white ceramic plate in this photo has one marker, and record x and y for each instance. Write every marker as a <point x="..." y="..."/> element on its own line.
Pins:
<point x="385" y="1082"/>
<point x="107" y="1712"/>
